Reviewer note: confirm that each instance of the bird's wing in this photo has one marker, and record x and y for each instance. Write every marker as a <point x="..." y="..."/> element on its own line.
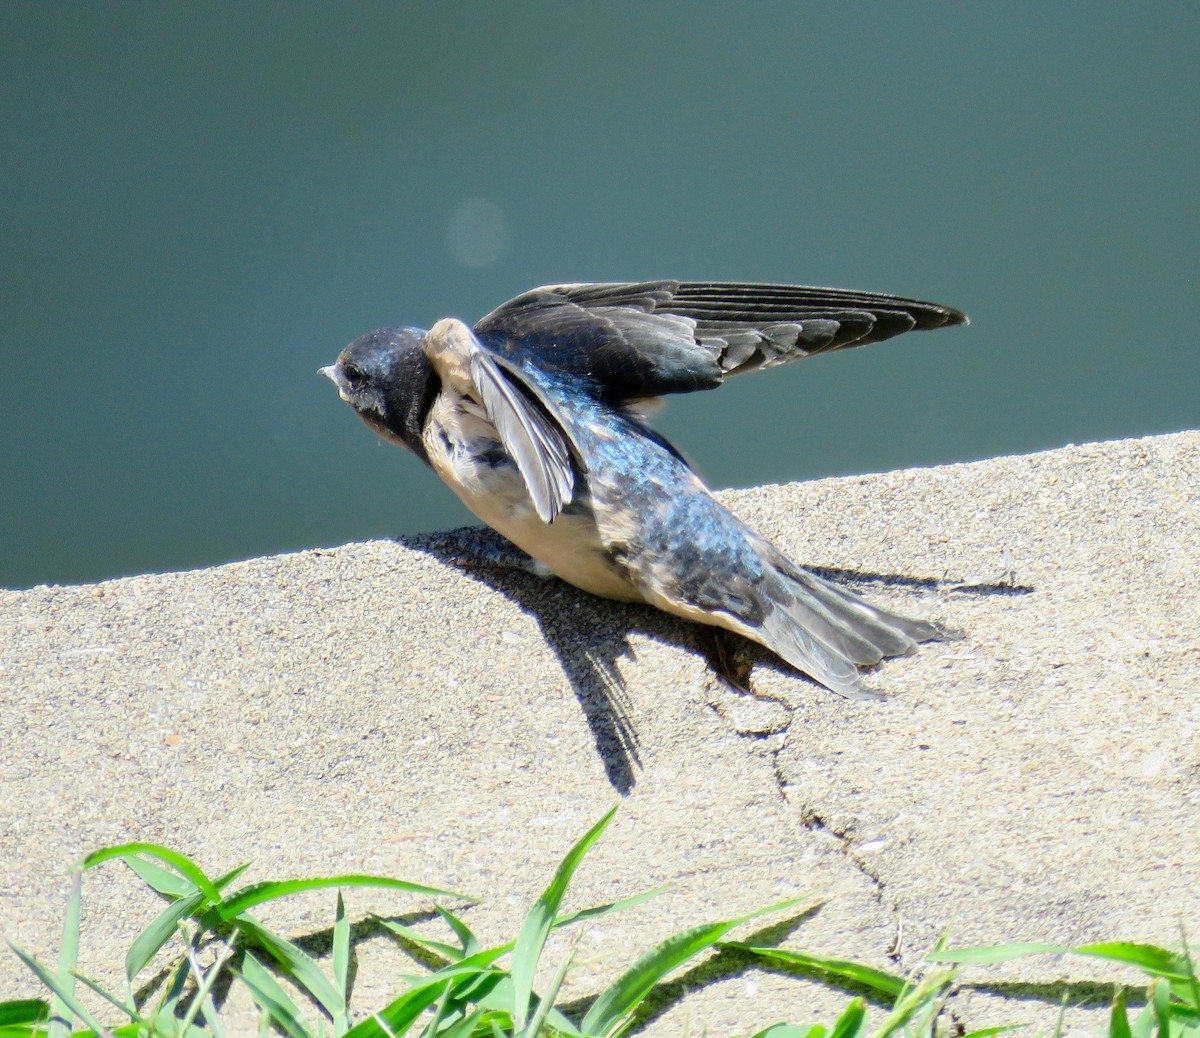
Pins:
<point x="640" y="340"/>
<point x="521" y="413"/>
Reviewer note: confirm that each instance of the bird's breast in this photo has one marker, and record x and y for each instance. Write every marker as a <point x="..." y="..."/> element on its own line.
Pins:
<point x="465" y="451"/>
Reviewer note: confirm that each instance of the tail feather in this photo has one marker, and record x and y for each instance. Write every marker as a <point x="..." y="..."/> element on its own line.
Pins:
<point x="829" y="632"/>
<point x="892" y="634"/>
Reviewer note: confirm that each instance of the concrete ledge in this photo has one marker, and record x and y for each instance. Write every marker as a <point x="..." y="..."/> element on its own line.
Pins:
<point x="372" y="708"/>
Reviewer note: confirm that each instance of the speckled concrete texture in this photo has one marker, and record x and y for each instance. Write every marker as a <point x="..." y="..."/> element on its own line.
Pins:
<point x="379" y="708"/>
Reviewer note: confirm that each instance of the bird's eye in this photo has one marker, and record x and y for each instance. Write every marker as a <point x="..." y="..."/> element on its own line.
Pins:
<point x="353" y="375"/>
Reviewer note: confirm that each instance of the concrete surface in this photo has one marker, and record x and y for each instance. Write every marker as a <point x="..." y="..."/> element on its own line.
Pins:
<point x="374" y="708"/>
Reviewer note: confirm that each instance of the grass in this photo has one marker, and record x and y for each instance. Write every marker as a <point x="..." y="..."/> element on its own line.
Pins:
<point x="211" y="942"/>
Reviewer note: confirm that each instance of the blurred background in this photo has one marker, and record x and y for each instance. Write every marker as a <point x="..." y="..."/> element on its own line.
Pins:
<point x="201" y="203"/>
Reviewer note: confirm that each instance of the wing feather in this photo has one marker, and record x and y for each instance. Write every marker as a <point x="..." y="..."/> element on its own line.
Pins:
<point x="634" y="340"/>
<point x="536" y="443"/>
<point x="521" y="413"/>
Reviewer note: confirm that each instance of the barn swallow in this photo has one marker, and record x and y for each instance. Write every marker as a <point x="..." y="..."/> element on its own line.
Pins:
<point x="536" y="419"/>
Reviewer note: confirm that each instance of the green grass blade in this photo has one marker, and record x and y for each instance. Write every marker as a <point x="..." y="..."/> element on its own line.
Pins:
<point x="925" y="1011"/>
<point x="128" y="1008"/>
<point x="532" y="938"/>
<point x="791" y="1031"/>
<point x="560" y="1025"/>
<point x="382" y="1026"/>
<point x="1189" y="990"/>
<point x="926" y="998"/>
<point x="626" y="993"/>
<point x="1059" y="1030"/>
<point x="269" y="996"/>
<point x="1143" y="1025"/>
<point x="1160" y="1000"/>
<point x="257" y="893"/>
<point x="298" y="964"/>
<point x="181" y="862"/>
<point x="1157" y="962"/>
<point x="402" y="1011"/>
<point x="611" y="907"/>
<point x="67" y="959"/>
<point x="481" y="992"/>
<point x="341" y="964"/>
<point x="490" y="990"/>
<point x="1118" y="1026"/>
<point x="65" y="1004"/>
<point x="989" y="1032"/>
<point x="993" y="953"/>
<point x="490" y="987"/>
<point x="1175" y="967"/>
<point x="852" y="1022"/>
<point x="875" y="979"/>
<point x="148" y="943"/>
<point x="534" y="1027"/>
<point x="470" y="943"/>
<point x="464" y="1028"/>
<point x="172" y="992"/>
<point x="162" y="881"/>
<point x="24" y="1011"/>
<point x="399" y="1014"/>
<point x="443" y="1013"/>
<point x="221" y="882"/>
<point x="210" y="1015"/>
<point x="202" y="1000"/>
<point x="439" y="948"/>
<point x="170" y="884"/>
<point x="466" y="937"/>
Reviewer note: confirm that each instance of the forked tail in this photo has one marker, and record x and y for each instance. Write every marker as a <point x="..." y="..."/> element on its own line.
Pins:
<point x="828" y="632"/>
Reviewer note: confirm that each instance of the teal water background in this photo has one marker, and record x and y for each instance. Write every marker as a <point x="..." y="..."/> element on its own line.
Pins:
<point x="202" y="202"/>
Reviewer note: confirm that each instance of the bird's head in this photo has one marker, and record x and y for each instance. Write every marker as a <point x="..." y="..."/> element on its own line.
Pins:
<point x="387" y="379"/>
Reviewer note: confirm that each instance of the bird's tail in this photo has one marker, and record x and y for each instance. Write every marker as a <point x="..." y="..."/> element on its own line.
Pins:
<point x="828" y="632"/>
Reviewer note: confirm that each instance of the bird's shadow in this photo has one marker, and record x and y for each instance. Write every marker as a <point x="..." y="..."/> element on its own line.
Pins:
<point x="1001" y="585"/>
<point x="589" y="658"/>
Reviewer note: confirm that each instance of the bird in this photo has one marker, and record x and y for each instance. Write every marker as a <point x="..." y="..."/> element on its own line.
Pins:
<point x="537" y="417"/>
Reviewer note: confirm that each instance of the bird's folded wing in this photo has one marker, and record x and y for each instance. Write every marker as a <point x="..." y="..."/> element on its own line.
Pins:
<point x="517" y="408"/>
<point x="535" y="441"/>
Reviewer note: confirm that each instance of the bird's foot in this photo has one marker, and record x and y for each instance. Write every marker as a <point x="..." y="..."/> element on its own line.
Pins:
<point x="727" y="657"/>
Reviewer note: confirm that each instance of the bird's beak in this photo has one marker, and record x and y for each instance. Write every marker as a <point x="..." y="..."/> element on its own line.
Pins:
<point x="334" y="374"/>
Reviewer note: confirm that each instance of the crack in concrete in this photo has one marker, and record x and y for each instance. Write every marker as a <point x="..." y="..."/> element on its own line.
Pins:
<point x="812" y="820"/>
<point x="815" y="822"/>
<point x="809" y="817"/>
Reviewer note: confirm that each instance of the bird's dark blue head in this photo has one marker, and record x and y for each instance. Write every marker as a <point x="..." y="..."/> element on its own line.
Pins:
<point x="387" y="379"/>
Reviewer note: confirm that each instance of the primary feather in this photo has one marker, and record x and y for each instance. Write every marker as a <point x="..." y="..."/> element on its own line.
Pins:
<point x="634" y="340"/>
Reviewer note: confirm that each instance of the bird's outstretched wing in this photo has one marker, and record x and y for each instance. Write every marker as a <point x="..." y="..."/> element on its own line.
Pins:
<point x="633" y="341"/>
